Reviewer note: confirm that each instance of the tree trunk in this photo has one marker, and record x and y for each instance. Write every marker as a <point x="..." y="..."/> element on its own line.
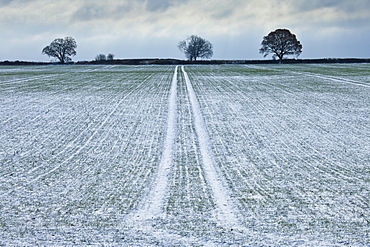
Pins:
<point x="281" y="59"/>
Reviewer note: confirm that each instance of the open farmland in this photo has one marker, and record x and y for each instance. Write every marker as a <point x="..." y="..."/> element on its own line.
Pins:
<point x="223" y="155"/>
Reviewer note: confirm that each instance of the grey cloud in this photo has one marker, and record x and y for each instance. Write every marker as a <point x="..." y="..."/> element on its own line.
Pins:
<point x="340" y="5"/>
<point x="116" y="9"/>
<point x="98" y="11"/>
<point x="5" y="2"/>
<point x="159" y="5"/>
<point x="15" y="2"/>
<point x="162" y="5"/>
<point x="88" y="13"/>
<point x="315" y="4"/>
<point x="224" y="13"/>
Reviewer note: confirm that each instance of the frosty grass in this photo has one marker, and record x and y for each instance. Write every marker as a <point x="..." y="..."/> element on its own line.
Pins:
<point x="253" y="155"/>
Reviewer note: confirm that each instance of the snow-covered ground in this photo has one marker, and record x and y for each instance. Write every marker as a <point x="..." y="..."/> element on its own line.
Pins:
<point x="255" y="155"/>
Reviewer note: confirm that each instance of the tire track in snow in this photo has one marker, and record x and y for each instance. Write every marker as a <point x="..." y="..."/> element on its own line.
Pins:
<point x="225" y="207"/>
<point x="333" y="78"/>
<point x="153" y="204"/>
<point x="316" y="75"/>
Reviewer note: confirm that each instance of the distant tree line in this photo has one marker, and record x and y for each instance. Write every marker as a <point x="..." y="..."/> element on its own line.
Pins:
<point x="102" y="57"/>
<point x="280" y="43"/>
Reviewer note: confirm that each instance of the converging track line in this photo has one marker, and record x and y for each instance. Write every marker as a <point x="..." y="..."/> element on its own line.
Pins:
<point x="333" y="78"/>
<point x="225" y="207"/>
<point x="153" y="204"/>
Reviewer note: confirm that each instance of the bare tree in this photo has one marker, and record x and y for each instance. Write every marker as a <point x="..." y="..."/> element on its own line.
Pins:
<point x="196" y="47"/>
<point x="281" y="42"/>
<point x="110" y="56"/>
<point x="62" y="49"/>
<point x="100" y="57"/>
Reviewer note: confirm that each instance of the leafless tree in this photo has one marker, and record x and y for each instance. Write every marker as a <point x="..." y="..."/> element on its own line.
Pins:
<point x="281" y="42"/>
<point x="62" y="49"/>
<point x="100" y="57"/>
<point x="110" y="56"/>
<point x="196" y="47"/>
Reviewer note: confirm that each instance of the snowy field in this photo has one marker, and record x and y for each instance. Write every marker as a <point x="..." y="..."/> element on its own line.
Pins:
<point x="231" y="155"/>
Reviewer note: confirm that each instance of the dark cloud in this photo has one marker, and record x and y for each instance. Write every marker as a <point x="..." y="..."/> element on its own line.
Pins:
<point x="316" y="4"/>
<point x="88" y="13"/>
<point x="91" y="11"/>
<point x="15" y="2"/>
<point x="5" y="2"/>
<point x="338" y="5"/>
<point x="223" y="13"/>
<point x="117" y="9"/>
<point x="160" y="5"/>
<point x="163" y="5"/>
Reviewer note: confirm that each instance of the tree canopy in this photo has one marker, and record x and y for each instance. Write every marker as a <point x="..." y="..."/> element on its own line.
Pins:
<point x="281" y="42"/>
<point x="103" y="57"/>
<point x="196" y="47"/>
<point x="110" y="56"/>
<point x="62" y="49"/>
<point x="100" y="57"/>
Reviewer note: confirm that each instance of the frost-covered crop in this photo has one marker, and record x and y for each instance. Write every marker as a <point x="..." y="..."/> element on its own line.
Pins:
<point x="257" y="155"/>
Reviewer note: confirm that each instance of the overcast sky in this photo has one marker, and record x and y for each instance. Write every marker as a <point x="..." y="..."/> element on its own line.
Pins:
<point x="153" y="28"/>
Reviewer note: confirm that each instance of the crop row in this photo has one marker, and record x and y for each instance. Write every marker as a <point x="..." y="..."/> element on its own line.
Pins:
<point x="293" y="148"/>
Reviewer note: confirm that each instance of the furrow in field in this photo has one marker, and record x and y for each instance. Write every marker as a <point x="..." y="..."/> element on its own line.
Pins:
<point x="289" y="142"/>
<point x="84" y="130"/>
<point x="59" y="84"/>
<point x="10" y="84"/>
<point x="319" y="163"/>
<point x="44" y="109"/>
<point x="76" y="150"/>
<point x="322" y="92"/>
<point x="319" y="108"/>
